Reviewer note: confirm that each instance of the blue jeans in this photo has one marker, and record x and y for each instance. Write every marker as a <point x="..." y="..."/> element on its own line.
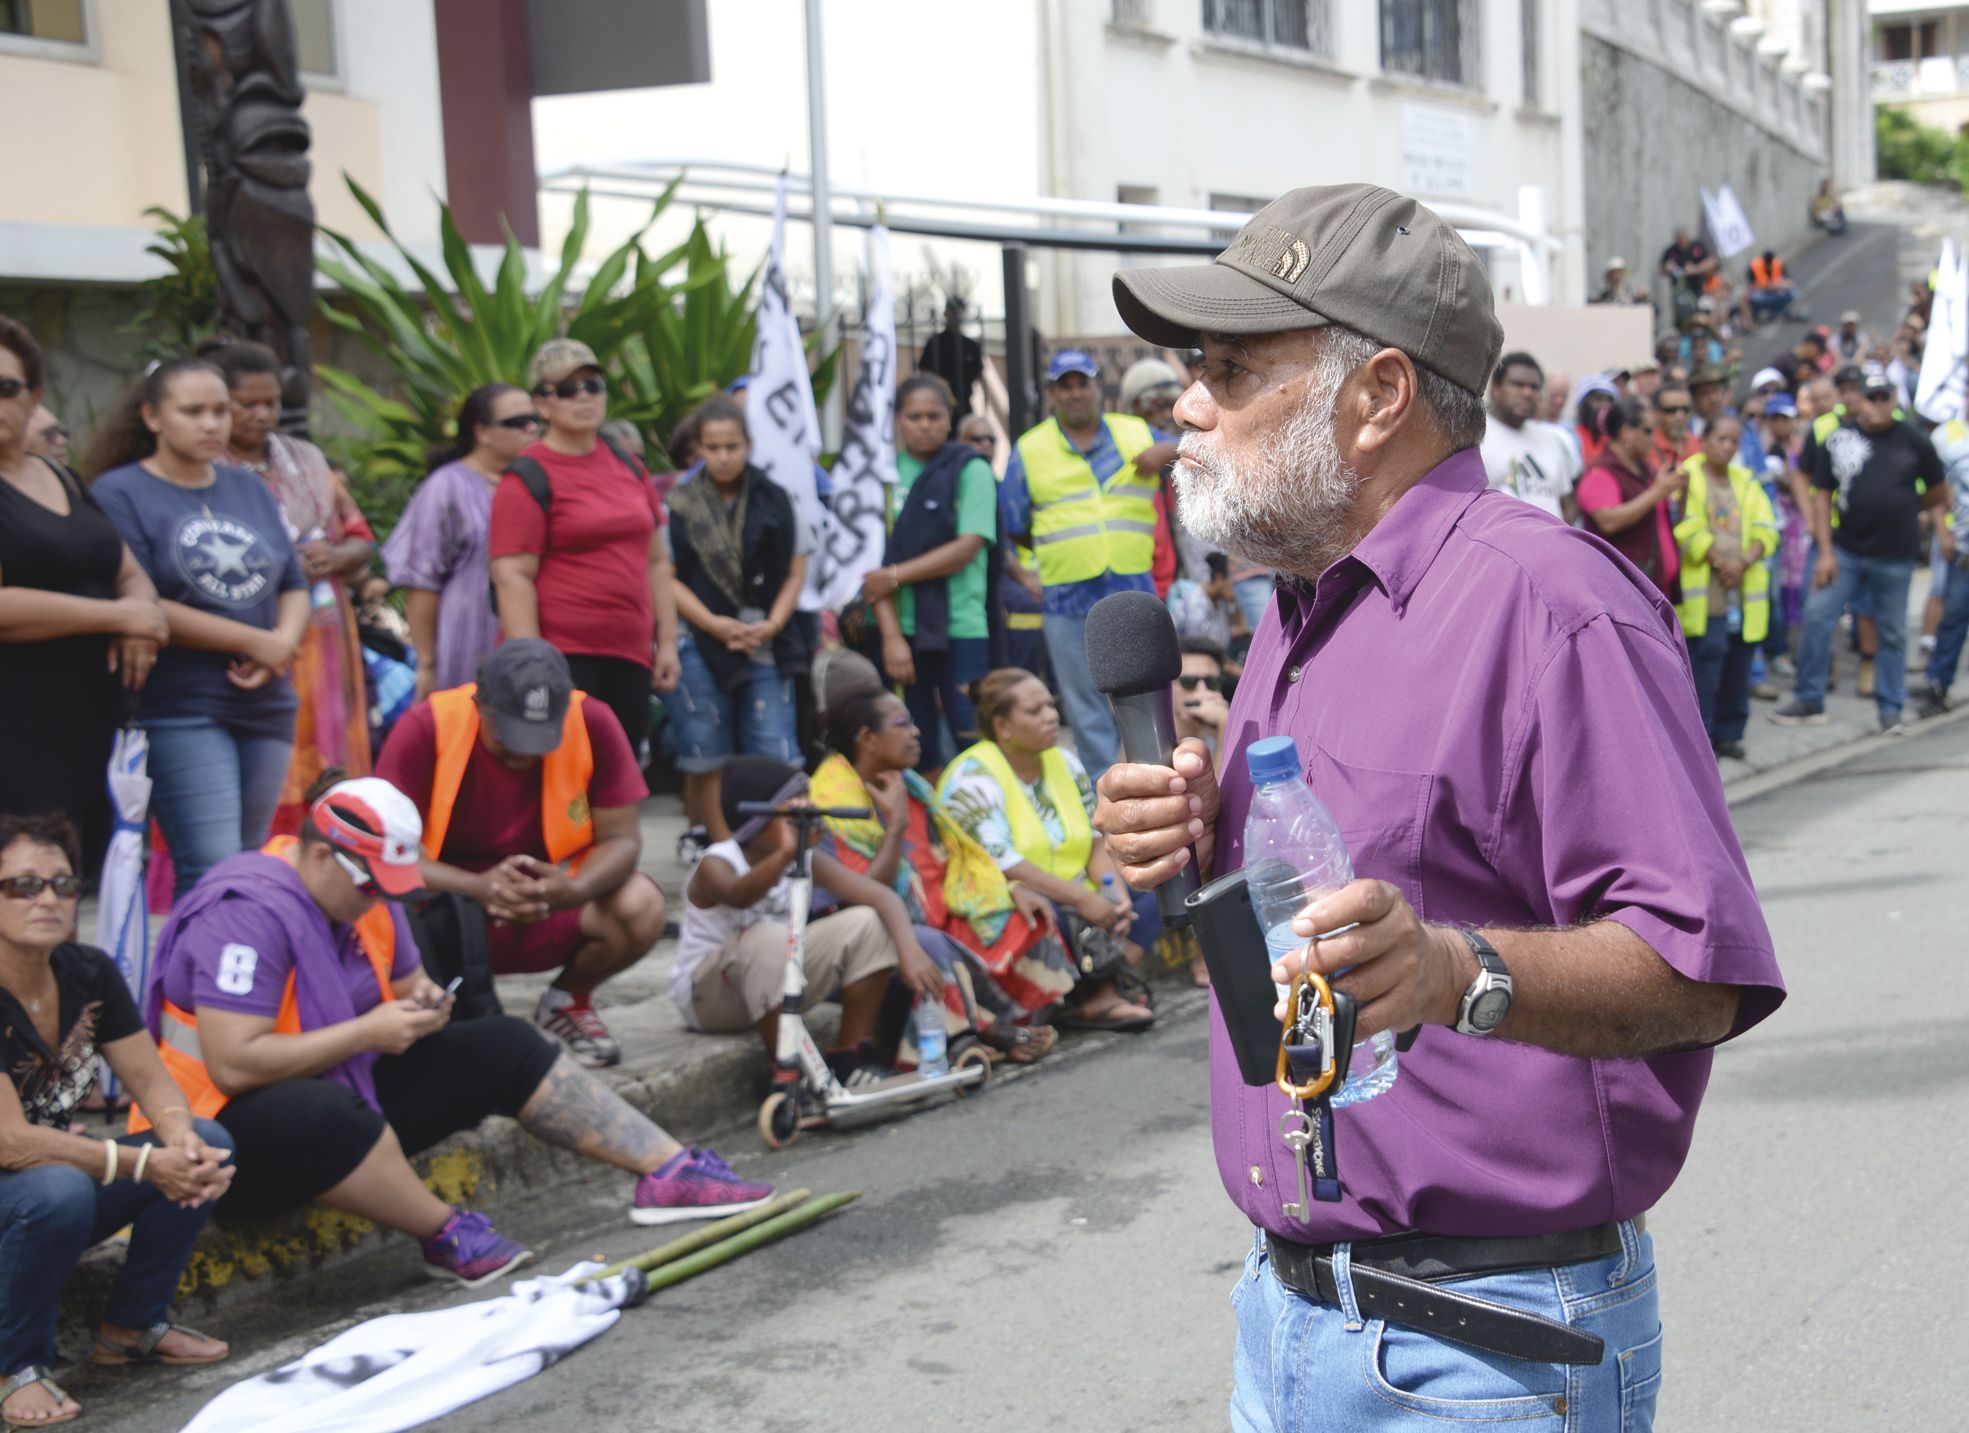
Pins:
<point x="214" y="790"/>
<point x="1875" y="585"/>
<point x="1768" y="303"/>
<point x="1095" y="740"/>
<point x="1305" y="1367"/>
<point x="1254" y="595"/>
<point x="1955" y="626"/>
<point x="705" y="718"/>
<point x="937" y="696"/>
<point x="1722" y="670"/>
<point x="49" y="1217"/>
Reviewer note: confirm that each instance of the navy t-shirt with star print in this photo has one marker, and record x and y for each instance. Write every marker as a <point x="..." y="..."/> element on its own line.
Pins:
<point x="96" y="1009"/>
<point x="1876" y="481"/>
<point x="224" y="549"/>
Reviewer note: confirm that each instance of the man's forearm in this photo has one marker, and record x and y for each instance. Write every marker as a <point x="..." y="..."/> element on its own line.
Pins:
<point x="611" y="861"/>
<point x="1600" y="991"/>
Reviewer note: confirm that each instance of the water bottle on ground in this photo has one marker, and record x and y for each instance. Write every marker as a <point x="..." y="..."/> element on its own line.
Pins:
<point x="930" y="1045"/>
<point x="1293" y="854"/>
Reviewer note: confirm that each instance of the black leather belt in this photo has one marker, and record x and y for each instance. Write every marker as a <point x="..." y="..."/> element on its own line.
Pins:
<point x="1400" y="1279"/>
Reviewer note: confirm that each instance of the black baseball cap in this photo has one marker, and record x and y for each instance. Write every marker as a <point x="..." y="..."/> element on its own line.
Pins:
<point x="1850" y="375"/>
<point x="756" y="779"/>
<point x="526" y="685"/>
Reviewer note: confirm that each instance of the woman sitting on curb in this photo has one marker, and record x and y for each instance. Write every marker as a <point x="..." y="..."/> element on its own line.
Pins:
<point x="62" y="1005"/>
<point x="948" y="881"/>
<point x="291" y="1003"/>
<point x="1029" y="803"/>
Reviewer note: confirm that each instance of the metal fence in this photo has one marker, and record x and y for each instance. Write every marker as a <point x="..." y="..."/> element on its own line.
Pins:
<point x="1432" y="40"/>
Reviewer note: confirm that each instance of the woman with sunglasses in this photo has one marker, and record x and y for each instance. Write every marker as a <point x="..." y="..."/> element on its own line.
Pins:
<point x="80" y="625"/>
<point x="439" y="550"/>
<point x="578" y="556"/>
<point x="218" y="707"/>
<point x="61" y="1006"/>
<point x="1006" y="934"/>
<point x="334" y="544"/>
<point x="1028" y="801"/>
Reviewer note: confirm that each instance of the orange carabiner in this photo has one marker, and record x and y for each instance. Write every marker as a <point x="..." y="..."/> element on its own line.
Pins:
<point x="1323" y="1005"/>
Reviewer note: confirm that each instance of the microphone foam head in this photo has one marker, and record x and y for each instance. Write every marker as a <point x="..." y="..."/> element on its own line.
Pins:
<point x="1131" y="645"/>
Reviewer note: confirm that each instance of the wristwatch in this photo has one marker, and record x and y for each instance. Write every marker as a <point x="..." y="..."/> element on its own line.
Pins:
<point x="1488" y="1000"/>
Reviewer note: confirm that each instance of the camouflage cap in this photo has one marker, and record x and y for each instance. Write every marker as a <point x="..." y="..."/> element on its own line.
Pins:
<point x="558" y="357"/>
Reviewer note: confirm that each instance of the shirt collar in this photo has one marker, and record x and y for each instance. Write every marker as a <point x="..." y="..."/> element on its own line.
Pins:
<point x="1399" y="548"/>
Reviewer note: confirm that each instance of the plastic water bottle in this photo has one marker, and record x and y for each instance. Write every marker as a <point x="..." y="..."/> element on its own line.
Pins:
<point x="1293" y="854"/>
<point x="1733" y="612"/>
<point x="930" y="1045"/>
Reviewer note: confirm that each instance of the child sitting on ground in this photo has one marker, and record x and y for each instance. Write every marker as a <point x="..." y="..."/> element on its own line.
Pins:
<point x="731" y="953"/>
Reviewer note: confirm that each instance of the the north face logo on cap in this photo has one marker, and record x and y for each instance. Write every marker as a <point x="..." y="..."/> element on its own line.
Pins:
<point x="1272" y="250"/>
<point x="536" y="704"/>
<point x="1292" y="263"/>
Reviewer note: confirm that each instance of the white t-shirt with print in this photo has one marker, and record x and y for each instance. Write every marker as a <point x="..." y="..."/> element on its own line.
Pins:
<point x="1536" y="462"/>
<point x="706" y="932"/>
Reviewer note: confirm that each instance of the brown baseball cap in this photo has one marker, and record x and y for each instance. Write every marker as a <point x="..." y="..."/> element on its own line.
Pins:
<point x="558" y="357"/>
<point x="1357" y="255"/>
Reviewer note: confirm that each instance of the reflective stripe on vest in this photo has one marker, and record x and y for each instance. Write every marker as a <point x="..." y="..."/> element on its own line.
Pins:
<point x="177" y="1028"/>
<point x="1755" y="591"/>
<point x="1081" y="529"/>
<point x="1068" y="859"/>
<point x="565" y="773"/>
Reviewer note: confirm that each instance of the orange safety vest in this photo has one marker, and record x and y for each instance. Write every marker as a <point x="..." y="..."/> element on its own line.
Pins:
<point x="177" y="1036"/>
<point x="565" y="773"/>
<point x="1763" y="275"/>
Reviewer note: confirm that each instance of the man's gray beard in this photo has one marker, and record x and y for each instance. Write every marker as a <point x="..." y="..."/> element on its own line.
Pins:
<point x="1289" y="508"/>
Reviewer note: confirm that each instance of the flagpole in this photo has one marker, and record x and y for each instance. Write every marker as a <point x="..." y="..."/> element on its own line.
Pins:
<point x="823" y="211"/>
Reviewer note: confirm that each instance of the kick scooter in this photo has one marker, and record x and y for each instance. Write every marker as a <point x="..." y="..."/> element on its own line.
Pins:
<point x="806" y="1093"/>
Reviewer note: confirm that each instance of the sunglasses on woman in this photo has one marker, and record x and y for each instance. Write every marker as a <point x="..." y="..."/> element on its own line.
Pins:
<point x="573" y="387"/>
<point x="26" y="888"/>
<point x="358" y="872"/>
<point x="12" y="387"/>
<point x="521" y="422"/>
<point x="1209" y="684"/>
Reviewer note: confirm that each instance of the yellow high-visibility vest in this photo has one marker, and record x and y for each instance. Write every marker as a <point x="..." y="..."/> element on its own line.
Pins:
<point x="1081" y="529"/>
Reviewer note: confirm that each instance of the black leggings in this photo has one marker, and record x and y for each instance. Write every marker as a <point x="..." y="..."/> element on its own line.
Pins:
<point x="296" y="1139"/>
<point x="620" y="685"/>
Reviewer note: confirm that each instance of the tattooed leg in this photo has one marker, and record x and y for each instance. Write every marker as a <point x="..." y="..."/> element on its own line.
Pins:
<point x="574" y="1110"/>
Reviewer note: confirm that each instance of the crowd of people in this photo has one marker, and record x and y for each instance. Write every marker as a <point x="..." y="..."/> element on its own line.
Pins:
<point x="1772" y="514"/>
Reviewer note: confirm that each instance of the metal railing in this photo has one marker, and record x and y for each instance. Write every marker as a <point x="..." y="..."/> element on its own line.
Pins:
<point x="1433" y="40"/>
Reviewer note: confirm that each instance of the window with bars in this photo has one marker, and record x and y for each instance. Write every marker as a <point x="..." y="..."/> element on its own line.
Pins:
<point x="1432" y="40"/>
<point x="1304" y="26"/>
<point x="1529" y="23"/>
<point x="1133" y="14"/>
<point x="62" y="21"/>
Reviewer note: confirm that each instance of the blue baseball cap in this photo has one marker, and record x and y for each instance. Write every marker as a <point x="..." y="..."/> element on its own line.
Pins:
<point x="1072" y="360"/>
<point x="1780" y="405"/>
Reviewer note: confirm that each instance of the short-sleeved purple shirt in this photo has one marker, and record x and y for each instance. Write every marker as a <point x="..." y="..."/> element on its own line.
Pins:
<point x="1498" y="711"/>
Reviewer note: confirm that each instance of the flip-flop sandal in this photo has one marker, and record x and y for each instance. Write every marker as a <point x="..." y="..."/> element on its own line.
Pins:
<point x="1023" y="1044"/>
<point x="35" y="1373"/>
<point x="1110" y="1019"/>
<point x="110" y="1354"/>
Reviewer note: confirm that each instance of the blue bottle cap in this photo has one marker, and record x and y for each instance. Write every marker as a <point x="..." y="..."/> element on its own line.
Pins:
<point x="1274" y="758"/>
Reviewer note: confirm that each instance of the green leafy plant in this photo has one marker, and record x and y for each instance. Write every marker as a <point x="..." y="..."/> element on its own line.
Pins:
<point x="180" y="306"/>
<point x="1908" y="149"/>
<point x="669" y="328"/>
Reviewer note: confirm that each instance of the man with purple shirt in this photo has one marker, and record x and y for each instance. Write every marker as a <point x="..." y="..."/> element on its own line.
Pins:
<point x="1497" y="710"/>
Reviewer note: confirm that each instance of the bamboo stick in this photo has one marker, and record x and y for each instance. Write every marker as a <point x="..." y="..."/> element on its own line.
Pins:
<point x="709" y="1234"/>
<point x="749" y="1239"/>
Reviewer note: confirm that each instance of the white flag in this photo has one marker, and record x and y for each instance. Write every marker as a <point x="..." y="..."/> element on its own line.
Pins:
<point x="866" y="469"/>
<point x="1727" y="224"/>
<point x="779" y="404"/>
<point x="1938" y="395"/>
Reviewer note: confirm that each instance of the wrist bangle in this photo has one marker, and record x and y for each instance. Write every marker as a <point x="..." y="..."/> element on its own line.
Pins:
<point x="143" y="1158"/>
<point x="109" y="1163"/>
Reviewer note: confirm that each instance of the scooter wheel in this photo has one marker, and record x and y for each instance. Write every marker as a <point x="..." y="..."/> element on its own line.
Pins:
<point x="977" y="1056"/>
<point x="779" y="1119"/>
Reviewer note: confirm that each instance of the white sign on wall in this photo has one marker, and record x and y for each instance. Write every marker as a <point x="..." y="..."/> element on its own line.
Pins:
<point x="1436" y="148"/>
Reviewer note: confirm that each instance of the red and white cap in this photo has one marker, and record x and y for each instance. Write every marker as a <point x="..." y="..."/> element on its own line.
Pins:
<point x="372" y="820"/>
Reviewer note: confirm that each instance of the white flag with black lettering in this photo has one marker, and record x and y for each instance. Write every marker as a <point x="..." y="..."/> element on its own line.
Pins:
<point x="779" y="403"/>
<point x="866" y="469"/>
<point x="1938" y="394"/>
<point x="1729" y="228"/>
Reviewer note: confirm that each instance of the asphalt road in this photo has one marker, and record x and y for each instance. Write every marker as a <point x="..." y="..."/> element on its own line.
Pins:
<point x="1058" y="1253"/>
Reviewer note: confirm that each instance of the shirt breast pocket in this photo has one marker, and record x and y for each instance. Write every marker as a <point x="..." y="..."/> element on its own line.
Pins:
<point x="1383" y="816"/>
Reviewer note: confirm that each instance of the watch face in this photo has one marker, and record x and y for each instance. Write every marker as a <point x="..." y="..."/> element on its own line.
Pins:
<point x="1487" y="1012"/>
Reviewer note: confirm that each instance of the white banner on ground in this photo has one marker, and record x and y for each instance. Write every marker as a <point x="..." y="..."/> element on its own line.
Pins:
<point x="1728" y="227"/>
<point x="779" y="404"/>
<point x="1938" y="393"/>
<point x="865" y="471"/>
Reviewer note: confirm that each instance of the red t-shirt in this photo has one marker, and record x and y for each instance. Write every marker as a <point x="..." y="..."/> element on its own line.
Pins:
<point x="497" y="813"/>
<point x="593" y="583"/>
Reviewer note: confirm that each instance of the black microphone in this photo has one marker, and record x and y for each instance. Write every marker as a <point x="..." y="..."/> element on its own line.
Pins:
<point x="1134" y="658"/>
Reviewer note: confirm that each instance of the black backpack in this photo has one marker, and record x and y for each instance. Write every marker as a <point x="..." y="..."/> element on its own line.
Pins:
<point x="454" y="940"/>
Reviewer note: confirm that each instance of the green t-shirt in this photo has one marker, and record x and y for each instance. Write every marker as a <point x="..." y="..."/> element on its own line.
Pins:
<point x="977" y="512"/>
